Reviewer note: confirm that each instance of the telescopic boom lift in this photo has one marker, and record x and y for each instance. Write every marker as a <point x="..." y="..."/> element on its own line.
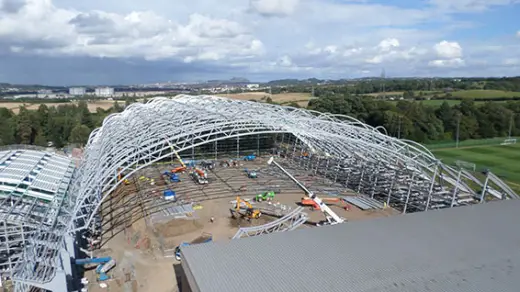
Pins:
<point x="332" y="218"/>
<point x="183" y="166"/>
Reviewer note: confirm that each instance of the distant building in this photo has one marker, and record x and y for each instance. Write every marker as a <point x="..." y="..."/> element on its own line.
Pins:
<point x="104" y="91"/>
<point x="77" y="91"/>
<point x="252" y="86"/>
<point x="42" y="93"/>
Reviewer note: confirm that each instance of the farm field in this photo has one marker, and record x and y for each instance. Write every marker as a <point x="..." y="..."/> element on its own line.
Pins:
<point x="503" y="160"/>
<point x="386" y="93"/>
<point x="283" y="98"/>
<point x="92" y="106"/>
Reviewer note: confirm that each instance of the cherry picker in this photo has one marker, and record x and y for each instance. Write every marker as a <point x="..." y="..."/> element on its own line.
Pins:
<point x="331" y="217"/>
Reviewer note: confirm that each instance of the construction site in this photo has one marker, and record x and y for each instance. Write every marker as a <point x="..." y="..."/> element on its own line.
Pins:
<point x="146" y="188"/>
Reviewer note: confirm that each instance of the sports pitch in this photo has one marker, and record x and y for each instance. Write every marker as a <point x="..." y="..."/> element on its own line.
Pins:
<point x="503" y="160"/>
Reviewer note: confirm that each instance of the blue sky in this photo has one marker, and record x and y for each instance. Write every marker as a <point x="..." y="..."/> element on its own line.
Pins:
<point x="64" y="42"/>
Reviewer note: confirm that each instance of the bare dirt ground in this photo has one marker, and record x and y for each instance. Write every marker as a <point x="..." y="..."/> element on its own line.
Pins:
<point x="139" y="250"/>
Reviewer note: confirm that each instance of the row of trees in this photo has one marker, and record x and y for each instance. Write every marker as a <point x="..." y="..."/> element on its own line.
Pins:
<point x="71" y="123"/>
<point x="405" y="119"/>
<point x="426" y="124"/>
<point x="401" y="85"/>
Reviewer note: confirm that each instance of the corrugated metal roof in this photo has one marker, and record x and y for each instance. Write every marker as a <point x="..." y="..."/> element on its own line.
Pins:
<point x="473" y="248"/>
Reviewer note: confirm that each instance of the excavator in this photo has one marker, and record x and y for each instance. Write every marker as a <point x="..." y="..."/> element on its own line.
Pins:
<point x="250" y="211"/>
<point x="331" y="218"/>
<point x="120" y="176"/>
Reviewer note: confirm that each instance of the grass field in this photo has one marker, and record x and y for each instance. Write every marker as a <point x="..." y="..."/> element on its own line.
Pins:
<point x="476" y="94"/>
<point x="502" y="160"/>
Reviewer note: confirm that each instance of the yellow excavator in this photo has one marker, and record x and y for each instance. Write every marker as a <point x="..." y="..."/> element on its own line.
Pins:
<point x="120" y="176"/>
<point x="249" y="212"/>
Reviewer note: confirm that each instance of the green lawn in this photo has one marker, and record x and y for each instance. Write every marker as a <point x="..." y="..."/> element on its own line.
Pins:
<point x="502" y="160"/>
<point x="476" y="94"/>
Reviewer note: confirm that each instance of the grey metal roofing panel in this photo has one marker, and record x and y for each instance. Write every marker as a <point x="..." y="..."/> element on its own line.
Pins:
<point x="473" y="248"/>
<point x="45" y="171"/>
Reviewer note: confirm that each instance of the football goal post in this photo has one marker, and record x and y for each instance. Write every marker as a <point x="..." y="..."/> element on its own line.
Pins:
<point x="466" y="165"/>
<point x="509" y="141"/>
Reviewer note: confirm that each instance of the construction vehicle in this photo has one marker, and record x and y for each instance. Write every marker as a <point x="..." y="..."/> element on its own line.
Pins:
<point x="314" y="206"/>
<point x="120" y="176"/>
<point x="207" y="165"/>
<point x="249" y="157"/>
<point x="331" y="218"/>
<point x="248" y="212"/>
<point x="201" y="173"/>
<point x="183" y="166"/>
<point x="199" y="176"/>
<point x="250" y="173"/>
<point x="104" y="265"/>
<point x="203" y="238"/>
<point x="265" y="196"/>
<point x="172" y="176"/>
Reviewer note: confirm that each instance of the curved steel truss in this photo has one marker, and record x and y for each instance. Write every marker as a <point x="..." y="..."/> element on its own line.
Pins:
<point x="341" y="147"/>
<point x="289" y="222"/>
<point x="345" y="151"/>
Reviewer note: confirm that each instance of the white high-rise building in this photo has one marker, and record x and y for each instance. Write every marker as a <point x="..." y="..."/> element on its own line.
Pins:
<point x="77" y="91"/>
<point x="104" y="91"/>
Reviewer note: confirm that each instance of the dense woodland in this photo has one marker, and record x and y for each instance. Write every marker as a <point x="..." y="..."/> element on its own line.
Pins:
<point x="405" y="119"/>
<point x="60" y="125"/>
<point x="402" y="85"/>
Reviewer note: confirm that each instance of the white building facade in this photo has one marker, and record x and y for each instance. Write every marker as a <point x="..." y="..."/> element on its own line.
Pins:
<point x="77" y="91"/>
<point x="104" y="91"/>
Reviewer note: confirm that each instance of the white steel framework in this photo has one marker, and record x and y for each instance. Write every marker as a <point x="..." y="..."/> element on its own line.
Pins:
<point x="355" y="152"/>
<point x="400" y="173"/>
<point x="33" y="204"/>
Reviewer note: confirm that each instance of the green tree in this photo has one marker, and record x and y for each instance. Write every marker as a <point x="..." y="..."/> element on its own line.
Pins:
<point x="79" y="134"/>
<point x="24" y="129"/>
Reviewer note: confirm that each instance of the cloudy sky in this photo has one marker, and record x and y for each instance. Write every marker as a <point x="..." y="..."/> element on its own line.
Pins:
<point x="66" y="42"/>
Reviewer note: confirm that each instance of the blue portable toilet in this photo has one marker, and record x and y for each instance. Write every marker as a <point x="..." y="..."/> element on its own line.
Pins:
<point x="169" y="195"/>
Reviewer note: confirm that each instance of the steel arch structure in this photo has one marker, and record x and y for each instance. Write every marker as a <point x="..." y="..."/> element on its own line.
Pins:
<point x="130" y="140"/>
<point x="346" y="151"/>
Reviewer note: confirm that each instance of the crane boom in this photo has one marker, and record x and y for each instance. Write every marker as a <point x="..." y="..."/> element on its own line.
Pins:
<point x="332" y="217"/>
<point x="176" y="154"/>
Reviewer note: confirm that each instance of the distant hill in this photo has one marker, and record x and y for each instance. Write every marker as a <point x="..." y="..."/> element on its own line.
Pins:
<point x="234" y="80"/>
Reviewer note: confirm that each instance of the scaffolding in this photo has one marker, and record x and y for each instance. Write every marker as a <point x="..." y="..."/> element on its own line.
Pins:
<point x="33" y="201"/>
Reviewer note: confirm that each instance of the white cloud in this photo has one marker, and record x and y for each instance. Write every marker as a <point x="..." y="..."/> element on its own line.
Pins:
<point x="448" y="50"/>
<point x="518" y="34"/>
<point x="319" y="37"/>
<point x="470" y="5"/>
<point x="451" y="63"/>
<point x="274" y="7"/>
<point x="388" y="44"/>
<point x="55" y="31"/>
